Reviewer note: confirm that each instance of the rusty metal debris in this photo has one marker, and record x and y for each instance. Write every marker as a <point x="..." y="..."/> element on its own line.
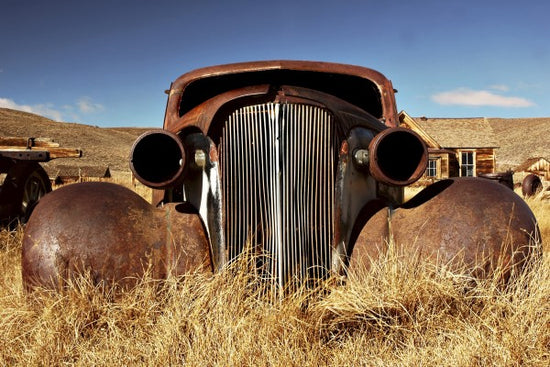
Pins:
<point x="303" y="162"/>
<point x="531" y="185"/>
<point x="23" y="180"/>
<point x="503" y="178"/>
<point x="120" y="239"/>
<point x="466" y="223"/>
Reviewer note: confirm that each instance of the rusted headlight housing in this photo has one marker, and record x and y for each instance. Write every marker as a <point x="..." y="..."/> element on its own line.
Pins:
<point x="157" y="159"/>
<point x="397" y="157"/>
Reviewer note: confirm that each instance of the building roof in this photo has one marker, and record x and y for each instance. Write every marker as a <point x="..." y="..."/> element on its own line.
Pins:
<point x="518" y="139"/>
<point x="526" y="165"/>
<point x="76" y="171"/>
<point x="473" y="132"/>
<point x="521" y="138"/>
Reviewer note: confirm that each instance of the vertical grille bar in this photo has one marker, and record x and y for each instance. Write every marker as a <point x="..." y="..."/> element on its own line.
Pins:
<point x="278" y="179"/>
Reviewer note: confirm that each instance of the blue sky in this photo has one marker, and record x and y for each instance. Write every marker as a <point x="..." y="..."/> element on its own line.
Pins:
<point x="107" y="63"/>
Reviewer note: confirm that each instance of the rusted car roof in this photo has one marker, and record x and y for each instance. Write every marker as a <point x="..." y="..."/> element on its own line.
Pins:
<point x="354" y="84"/>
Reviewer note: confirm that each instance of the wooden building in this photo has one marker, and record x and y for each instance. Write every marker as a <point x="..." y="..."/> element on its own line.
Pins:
<point x="539" y="166"/>
<point x="456" y="146"/>
<point x="62" y="174"/>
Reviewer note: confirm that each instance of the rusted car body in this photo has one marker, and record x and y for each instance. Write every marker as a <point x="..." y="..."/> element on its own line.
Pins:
<point x="302" y="163"/>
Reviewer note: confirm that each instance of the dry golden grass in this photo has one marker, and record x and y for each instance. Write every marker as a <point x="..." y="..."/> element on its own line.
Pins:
<point x="541" y="208"/>
<point x="397" y="314"/>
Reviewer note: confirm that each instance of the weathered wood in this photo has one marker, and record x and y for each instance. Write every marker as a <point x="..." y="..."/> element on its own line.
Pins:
<point x="26" y="154"/>
<point x="64" y="153"/>
<point x="485" y="161"/>
<point x="537" y="165"/>
<point x="39" y="149"/>
<point x="53" y="152"/>
<point x="24" y="142"/>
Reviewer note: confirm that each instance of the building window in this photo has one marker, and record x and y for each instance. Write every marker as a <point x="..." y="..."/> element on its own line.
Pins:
<point x="467" y="164"/>
<point x="431" y="170"/>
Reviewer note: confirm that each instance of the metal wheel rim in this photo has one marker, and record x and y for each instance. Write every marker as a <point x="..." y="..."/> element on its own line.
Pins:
<point x="34" y="189"/>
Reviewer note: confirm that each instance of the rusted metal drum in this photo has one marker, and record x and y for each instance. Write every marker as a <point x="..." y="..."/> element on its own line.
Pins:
<point x="531" y="185"/>
<point x="504" y="178"/>
<point x="470" y="224"/>
<point x="112" y="233"/>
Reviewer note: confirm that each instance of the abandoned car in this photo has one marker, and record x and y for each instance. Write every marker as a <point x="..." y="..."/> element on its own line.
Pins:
<point x="301" y="162"/>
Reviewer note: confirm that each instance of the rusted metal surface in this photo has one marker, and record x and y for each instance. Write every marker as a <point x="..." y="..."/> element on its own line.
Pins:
<point x="157" y="159"/>
<point x="372" y="177"/>
<point x="188" y="86"/>
<point x="398" y="157"/>
<point x="531" y="185"/>
<point x="110" y="232"/>
<point x="300" y="161"/>
<point x="470" y="224"/>
<point x="204" y="116"/>
<point x="187" y="244"/>
<point x="265" y="220"/>
<point x="503" y="178"/>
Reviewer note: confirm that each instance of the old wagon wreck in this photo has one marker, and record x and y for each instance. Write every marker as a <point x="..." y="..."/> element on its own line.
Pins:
<point x="23" y="181"/>
<point x="302" y="162"/>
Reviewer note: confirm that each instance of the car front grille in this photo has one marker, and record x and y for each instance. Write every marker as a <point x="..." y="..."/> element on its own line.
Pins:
<point x="278" y="171"/>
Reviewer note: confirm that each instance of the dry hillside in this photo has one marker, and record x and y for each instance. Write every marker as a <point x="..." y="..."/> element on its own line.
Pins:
<point x="100" y="146"/>
<point x="518" y="139"/>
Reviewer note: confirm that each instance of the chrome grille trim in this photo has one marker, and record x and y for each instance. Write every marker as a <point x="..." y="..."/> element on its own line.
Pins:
<point x="278" y="168"/>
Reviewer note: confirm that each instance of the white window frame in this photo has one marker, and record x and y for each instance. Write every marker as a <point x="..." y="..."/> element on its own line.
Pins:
<point x="434" y="168"/>
<point x="468" y="167"/>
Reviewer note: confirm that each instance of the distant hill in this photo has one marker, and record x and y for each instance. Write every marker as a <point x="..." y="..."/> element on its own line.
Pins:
<point x="101" y="146"/>
<point x="518" y="138"/>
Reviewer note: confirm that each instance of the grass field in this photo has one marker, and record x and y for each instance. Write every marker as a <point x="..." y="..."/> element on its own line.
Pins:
<point x="398" y="314"/>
